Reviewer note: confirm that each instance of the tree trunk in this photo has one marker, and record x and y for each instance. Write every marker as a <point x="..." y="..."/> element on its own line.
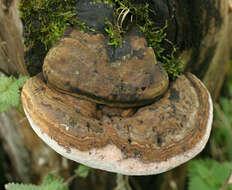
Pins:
<point x="200" y="29"/>
<point x="30" y="157"/>
<point x="203" y="32"/>
<point x="11" y="42"/>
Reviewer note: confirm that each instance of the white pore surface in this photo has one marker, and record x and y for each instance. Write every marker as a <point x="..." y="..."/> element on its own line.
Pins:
<point x="110" y="158"/>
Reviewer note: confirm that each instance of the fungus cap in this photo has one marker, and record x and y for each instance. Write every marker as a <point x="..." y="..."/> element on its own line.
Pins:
<point x="83" y="64"/>
<point x="154" y="139"/>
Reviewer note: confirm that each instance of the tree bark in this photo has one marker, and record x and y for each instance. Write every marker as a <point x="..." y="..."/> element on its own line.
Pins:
<point x="31" y="159"/>
<point x="11" y="42"/>
<point x="203" y="32"/>
<point x="13" y="143"/>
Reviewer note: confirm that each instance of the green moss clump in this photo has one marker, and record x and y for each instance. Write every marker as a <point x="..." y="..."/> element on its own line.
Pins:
<point x="108" y="2"/>
<point x="114" y="35"/>
<point x="45" y="20"/>
<point x="141" y="15"/>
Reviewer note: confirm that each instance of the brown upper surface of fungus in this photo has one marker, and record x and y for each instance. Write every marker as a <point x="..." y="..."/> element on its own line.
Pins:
<point x="80" y="65"/>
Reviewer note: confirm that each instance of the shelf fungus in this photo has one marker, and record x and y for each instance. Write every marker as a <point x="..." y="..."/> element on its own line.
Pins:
<point x="84" y="65"/>
<point x="114" y="109"/>
<point x="134" y="141"/>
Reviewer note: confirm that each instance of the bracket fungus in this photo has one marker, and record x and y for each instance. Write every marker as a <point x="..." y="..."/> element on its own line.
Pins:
<point x="116" y="111"/>
<point x="124" y="79"/>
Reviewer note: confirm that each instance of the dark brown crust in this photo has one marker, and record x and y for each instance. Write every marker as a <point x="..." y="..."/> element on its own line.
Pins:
<point x="80" y="65"/>
<point x="168" y="127"/>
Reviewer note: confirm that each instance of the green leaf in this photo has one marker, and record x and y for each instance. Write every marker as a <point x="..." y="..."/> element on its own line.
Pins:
<point x="50" y="182"/>
<point x="49" y="178"/>
<point x="82" y="171"/>
<point x="208" y="174"/>
<point x="10" y="92"/>
<point x="197" y="183"/>
<point x="5" y="82"/>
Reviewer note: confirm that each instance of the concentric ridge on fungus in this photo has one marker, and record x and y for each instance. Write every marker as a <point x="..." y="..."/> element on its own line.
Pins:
<point x="154" y="139"/>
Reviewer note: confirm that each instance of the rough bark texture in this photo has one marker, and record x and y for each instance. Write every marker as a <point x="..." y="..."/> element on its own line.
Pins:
<point x="200" y="28"/>
<point x="11" y="44"/>
<point x="13" y="142"/>
<point x="30" y="157"/>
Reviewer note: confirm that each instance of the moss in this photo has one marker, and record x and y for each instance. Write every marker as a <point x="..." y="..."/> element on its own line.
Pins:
<point x="114" y="35"/>
<point x="82" y="26"/>
<point x="156" y="37"/>
<point x="109" y="2"/>
<point x="45" y="21"/>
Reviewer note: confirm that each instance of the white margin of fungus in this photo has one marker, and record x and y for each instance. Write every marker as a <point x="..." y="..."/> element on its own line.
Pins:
<point x="110" y="158"/>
